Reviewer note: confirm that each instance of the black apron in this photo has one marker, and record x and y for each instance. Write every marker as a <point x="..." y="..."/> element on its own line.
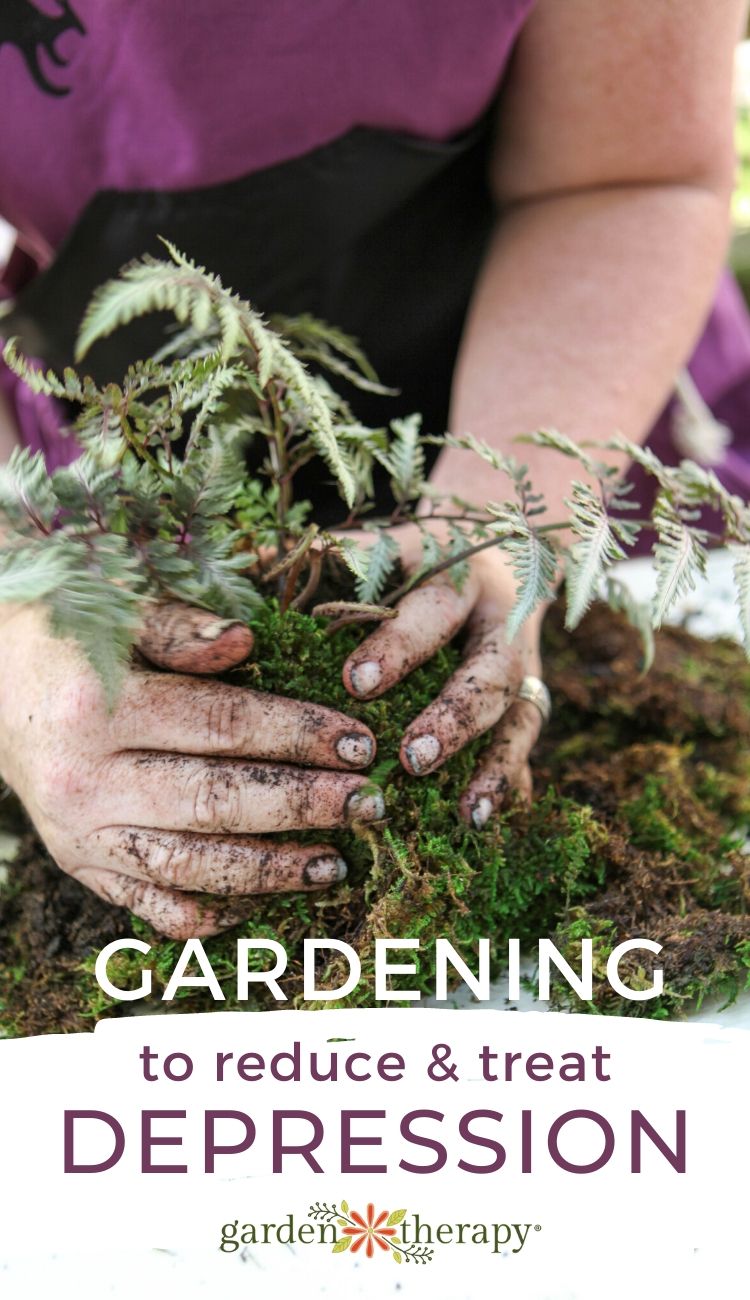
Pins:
<point x="378" y="233"/>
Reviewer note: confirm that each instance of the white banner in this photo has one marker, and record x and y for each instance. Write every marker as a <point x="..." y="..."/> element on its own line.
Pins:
<point x="553" y="1157"/>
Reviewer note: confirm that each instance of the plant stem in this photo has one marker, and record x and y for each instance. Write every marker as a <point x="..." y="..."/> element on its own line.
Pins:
<point x="418" y="579"/>
<point x="315" y="561"/>
<point x="280" y="462"/>
<point x="138" y="447"/>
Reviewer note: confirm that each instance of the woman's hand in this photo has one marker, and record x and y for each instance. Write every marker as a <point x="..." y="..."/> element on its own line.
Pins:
<point x="175" y="790"/>
<point x="481" y="694"/>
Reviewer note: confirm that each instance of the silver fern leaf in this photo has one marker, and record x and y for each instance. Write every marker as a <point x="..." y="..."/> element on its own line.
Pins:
<point x="213" y="577"/>
<point x="210" y="482"/>
<point x="404" y="459"/>
<point x="599" y="545"/>
<point x="99" y="603"/>
<point x="556" y="441"/>
<point x="211" y="399"/>
<point x="27" y="498"/>
<point x="643" y="456"/>
<point x="199" y="300"/>
<point x="70" y="387"/>
<point x="490" y="455"/>
<point x="534" y="565"/>
<point x="533" y="558"/>
<point x="146" y="285"/>
<point x="240" y="324"/>
<point x="315" y="340"/>
<point x="696" y="485"/>
<point x="31" y="572"/>
<point x="679" y="555"/>
<point x="355" y="557"/>
<point x="382" y="557"/>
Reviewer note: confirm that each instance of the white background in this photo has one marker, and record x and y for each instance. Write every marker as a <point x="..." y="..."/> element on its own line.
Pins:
<point x="607" y="1234"/>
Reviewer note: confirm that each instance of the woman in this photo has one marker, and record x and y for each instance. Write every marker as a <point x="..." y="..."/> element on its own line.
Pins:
<point x="545" y="256"/>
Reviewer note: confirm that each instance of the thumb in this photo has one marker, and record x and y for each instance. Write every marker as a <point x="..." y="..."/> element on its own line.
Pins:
<point x="191" y="640"/>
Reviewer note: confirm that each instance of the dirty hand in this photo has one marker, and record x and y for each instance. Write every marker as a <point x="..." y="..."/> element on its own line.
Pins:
<point x="168" y="793"/>
<point x="482" y="692"/>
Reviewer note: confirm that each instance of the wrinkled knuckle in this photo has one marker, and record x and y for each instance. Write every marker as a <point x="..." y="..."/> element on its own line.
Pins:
<point x="306" y="727"/>
<point x="225" y="721"/>
<point x="177" y="864"/>
<point x="212" y="800"/>
<point x="306" y="799"/>
<point x="135" y="895"/>
<point x="267" y="873"/>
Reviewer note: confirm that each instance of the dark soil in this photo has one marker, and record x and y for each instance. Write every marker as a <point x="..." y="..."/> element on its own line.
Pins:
<point x="48" y="925"/>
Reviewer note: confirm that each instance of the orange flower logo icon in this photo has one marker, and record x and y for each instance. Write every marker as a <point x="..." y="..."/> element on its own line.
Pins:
<point x="372" y="1230"/>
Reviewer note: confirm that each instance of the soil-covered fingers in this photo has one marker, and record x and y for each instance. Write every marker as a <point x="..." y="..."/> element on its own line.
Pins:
<point x="428" y="618"/>
<point x="230" y="865"/>
<point x="217" y="796"/>
<point x="503" y="768"/>
<point x="190" y="640"/>
<point x="473" y="699"/>
<point x="177" y="915"/>
<point x="160" y="711"/>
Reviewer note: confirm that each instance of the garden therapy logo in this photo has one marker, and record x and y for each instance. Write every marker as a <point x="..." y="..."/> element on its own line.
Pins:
<point x="370" y="1231"/>
<point x="397" y="1233"/>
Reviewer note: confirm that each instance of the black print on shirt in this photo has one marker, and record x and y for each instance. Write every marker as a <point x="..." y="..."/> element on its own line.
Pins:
<point x="34" y="33"/>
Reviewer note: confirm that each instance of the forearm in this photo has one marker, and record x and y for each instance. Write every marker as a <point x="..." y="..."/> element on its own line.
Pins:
<point x="587" y="306"/>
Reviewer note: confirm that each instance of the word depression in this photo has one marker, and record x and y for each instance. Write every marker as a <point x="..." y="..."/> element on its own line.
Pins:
<point x="297" y="1140"/>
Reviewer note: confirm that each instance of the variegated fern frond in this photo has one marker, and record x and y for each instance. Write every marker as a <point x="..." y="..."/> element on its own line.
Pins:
<point x="679" y="555"/>
<point x="601" y="542"/>
<point x="199" y="300"/>
<point x="186" y="487"/>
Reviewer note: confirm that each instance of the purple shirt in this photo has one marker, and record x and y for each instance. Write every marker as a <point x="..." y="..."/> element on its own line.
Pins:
<point x="142" y="94"/>
<point x="172" y="94"/>
<point x="156" y="95"/>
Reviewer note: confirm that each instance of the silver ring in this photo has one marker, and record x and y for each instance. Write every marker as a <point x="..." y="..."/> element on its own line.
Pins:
<point x="534" y="690"/>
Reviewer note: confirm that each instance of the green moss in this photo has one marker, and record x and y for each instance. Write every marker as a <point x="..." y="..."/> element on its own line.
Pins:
<point x="704" y="958"/>
<point x="651" y="825"/>
<point x="641" y="797"/>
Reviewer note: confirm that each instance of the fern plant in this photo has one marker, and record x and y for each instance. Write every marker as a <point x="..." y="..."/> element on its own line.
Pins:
<point x="161" y="503"/>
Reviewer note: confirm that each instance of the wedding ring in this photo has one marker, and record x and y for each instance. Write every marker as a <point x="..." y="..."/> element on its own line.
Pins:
<point x="534" y="690"/>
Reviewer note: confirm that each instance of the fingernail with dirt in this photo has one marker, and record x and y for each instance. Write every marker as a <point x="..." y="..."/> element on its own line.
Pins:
<point x="325" y="871"/>
<point x="365" y="807"/>
<point x="481" y="813"/>
<point x="365" y="678"/>
<point x="423" y="752"/>
<point x="355" y="748"/>
<point x="212" y="631"/>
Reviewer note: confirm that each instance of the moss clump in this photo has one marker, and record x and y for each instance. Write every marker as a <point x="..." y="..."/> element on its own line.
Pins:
<point x="642" y="792"/>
